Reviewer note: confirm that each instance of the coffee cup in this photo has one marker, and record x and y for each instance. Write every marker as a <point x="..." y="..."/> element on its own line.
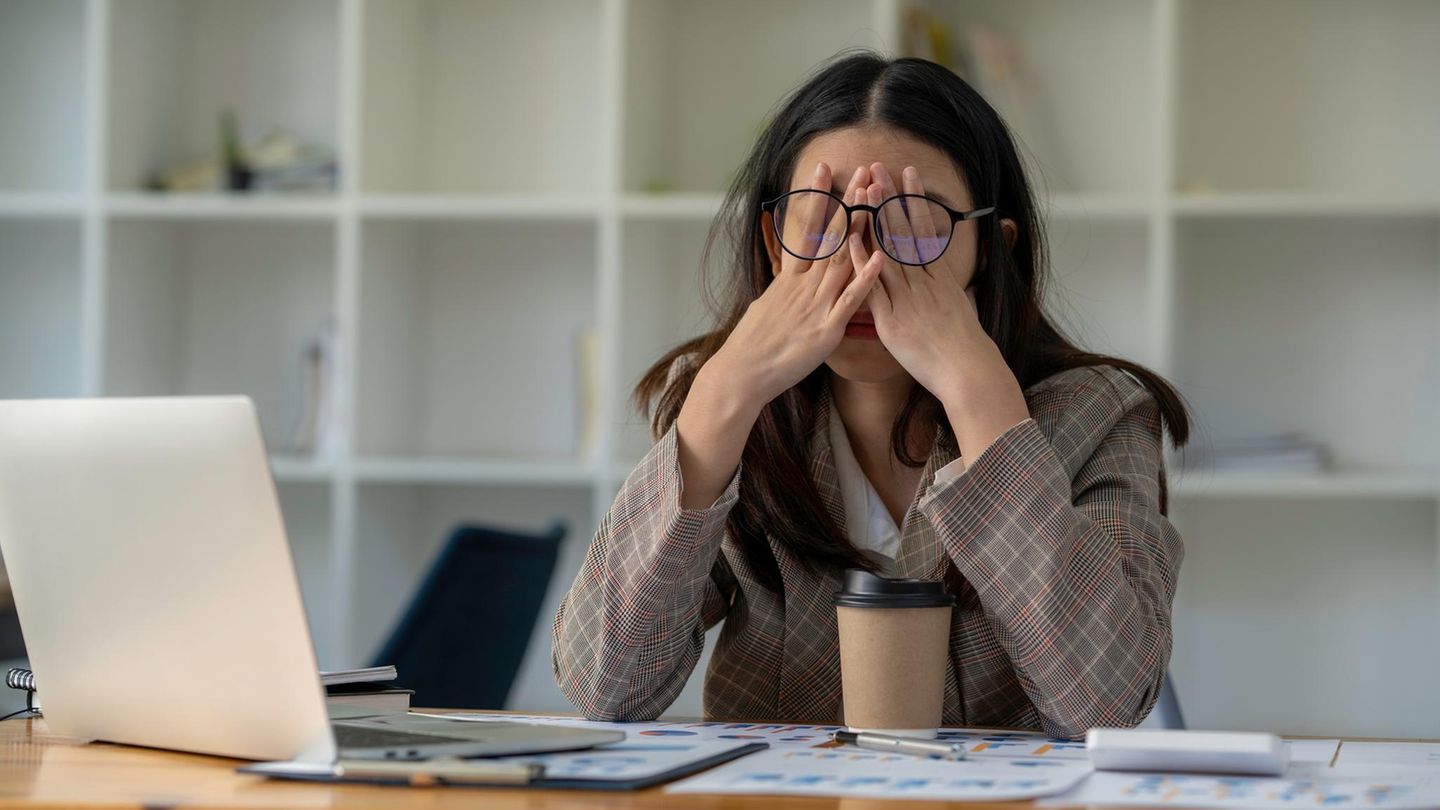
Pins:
<point x="894" y="647"/>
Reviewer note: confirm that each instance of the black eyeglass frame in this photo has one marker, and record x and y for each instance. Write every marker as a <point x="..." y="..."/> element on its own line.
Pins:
<point x="873" y="211"/>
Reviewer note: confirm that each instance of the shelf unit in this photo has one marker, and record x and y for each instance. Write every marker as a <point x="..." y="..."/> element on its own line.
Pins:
<point x="1241" y="195"/>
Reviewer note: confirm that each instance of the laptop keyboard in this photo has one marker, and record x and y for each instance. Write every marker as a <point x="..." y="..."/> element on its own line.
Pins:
<point x="363" y="737"/>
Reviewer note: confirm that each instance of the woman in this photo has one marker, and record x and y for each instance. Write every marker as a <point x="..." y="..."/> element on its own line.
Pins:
<point x="878" y="395"/>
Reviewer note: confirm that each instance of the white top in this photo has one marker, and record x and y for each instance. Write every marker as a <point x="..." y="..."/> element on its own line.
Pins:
<point x="867" y="521"/>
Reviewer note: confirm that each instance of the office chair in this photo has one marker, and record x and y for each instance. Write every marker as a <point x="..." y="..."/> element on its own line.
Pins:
<point x="460" y="642"/>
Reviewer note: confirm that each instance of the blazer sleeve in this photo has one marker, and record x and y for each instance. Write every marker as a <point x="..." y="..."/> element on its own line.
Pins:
<point x="1078" y="574"/>
<point x="629" y="631"/>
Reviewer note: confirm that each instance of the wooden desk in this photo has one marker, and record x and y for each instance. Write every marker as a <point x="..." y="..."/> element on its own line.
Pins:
<point x="40" y="769"/>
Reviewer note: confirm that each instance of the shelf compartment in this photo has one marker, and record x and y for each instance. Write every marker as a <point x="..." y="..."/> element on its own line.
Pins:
<point x="480" y="206"/>
<point x="221" y="206"/>
<point x="40" y="205"/>
<point x="1206" y="484"/>
<point x="697" y="206"/>
<point x="40" y="308"/>
<point x="477" y="471"/>
<point x="1320" y="326"/>
<point x="176" y="65"/>
<point x="1253" y="114"/>
<point x="1306" y="203"/>
<point x="42" y="91"/>
<point x="470" y="338"/>
<point x="662" y="305"/>
<point x="306" y="507"/>
<point x="219" y="308"/>
<point x="695" y="103"/>
<point x="1327" y="601"/>
<point x="1100" y="286"/>
<point x="400" y="529"/>
<point x="1073" y="138"/>
<point x="1121" y="206"/>
<point x="495" y="96"/>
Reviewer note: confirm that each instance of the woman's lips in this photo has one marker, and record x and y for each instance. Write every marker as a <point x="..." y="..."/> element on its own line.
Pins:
<point x="862" y="326"/>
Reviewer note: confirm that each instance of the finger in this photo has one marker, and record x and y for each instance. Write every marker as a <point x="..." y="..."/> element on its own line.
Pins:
<point x="921" y="221"/>
<point x="856" y="292"/>
<point x="806" y="219"/>
<point x="896" y="278"/>
<point x="899" y="235"/>
<point x="842" y="265"/>
<point x="838" y="223"/>
<point x="880" y="302"/>
<point x="895" y="239"/>
<point x="838" y="263"/>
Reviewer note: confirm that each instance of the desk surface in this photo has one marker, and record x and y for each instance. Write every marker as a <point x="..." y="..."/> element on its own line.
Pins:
<point x="40" y="769"/>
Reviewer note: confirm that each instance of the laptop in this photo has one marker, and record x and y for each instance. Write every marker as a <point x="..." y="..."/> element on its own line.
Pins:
<point x="158" y="597"/>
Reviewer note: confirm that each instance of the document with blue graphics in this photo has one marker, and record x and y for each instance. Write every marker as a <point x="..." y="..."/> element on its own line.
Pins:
<point x="847" y="771"/>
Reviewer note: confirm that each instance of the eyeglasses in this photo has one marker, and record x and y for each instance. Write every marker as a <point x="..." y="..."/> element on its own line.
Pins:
<point x="911" y="228"/>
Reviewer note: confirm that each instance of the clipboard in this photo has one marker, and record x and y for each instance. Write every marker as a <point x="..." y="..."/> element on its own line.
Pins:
<point x="544" y="771"/>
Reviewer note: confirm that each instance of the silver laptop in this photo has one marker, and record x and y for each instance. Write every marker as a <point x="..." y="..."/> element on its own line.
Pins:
<point x="158" y="598"/>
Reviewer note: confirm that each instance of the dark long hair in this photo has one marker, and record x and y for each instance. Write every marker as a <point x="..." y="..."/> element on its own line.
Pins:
<point x="939" y="108"/>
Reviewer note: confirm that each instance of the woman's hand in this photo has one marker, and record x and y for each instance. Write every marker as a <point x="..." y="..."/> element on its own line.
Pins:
<point x="800" y="319"/>
<point x="927" y="319"/>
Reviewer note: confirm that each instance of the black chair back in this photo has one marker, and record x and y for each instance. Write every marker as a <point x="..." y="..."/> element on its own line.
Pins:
<point x="461" y="641"/>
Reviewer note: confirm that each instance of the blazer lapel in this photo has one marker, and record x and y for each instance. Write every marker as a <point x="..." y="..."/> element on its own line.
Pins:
<point x="920" y="554"/>
<point x="810" y="669"/>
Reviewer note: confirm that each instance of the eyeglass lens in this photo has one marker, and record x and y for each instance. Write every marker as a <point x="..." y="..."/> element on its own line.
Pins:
<point x="912" y="230"/>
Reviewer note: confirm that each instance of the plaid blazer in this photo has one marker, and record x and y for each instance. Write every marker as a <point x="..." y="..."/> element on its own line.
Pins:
<point x="1054" y="541"/>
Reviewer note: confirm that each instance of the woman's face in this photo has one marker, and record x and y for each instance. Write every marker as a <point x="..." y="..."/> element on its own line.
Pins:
<point x="862" y="357"/>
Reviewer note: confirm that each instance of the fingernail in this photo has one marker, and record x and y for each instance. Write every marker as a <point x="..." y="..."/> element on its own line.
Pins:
<point x="911" y="173"/>
<point x="819" y="169"/>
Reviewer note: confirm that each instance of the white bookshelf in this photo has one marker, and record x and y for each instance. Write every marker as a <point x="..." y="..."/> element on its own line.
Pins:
<point x="1242" y="195"/>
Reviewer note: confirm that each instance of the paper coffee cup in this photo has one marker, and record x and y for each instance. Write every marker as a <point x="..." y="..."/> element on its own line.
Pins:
<point x="894" y="647"/>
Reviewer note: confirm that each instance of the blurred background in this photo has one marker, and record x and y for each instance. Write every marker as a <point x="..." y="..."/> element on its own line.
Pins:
<point x="437" y="241"/>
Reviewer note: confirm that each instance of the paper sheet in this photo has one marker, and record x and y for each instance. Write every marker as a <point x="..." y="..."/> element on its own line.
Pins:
<point x="851" y="772"/>
<point x="978" y="742"/>
<point x="1425" y="756"/>
<point x="777" y="735"/>
<point x="1154" y="790"/>
<point x="1310" y="759"/>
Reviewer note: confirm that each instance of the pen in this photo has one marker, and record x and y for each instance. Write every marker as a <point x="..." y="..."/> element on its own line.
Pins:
<point x="443" y="771"/>
<point x="935" y="749"/>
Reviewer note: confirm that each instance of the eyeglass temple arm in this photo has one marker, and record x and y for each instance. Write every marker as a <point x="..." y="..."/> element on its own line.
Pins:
<point x="960" y="216"/>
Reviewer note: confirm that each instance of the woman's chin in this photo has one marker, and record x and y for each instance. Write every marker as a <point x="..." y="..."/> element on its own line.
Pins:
<point x="864" y="361"/>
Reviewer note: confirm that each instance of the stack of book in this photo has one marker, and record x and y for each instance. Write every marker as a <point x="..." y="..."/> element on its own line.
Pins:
<point x="368" y="688"/>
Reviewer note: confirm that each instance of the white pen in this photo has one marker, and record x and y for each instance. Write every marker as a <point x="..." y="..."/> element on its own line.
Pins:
<point x="914" y="746"/>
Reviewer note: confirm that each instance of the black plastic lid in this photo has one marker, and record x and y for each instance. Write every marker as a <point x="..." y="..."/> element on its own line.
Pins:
<point x="866" y="590"/>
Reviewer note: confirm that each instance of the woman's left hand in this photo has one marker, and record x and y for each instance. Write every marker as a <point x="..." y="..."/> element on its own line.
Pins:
<point x="926" y="317"/>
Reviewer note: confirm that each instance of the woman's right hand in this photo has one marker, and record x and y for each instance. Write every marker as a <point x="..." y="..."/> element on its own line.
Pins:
<point x="799" y="320"/>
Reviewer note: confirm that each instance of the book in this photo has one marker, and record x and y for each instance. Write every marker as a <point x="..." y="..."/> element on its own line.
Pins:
<point x="374" y="697"/>
<point x="363" y="675"/>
